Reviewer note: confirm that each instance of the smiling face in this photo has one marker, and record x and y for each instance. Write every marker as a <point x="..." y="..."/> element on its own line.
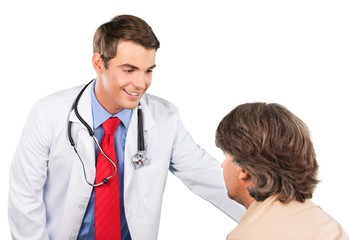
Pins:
<point x="127" y="77"/>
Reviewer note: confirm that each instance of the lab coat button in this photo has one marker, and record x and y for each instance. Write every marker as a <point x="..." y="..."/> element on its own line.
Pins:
<point x="82" y="206"/>
<point x="72" y="238"/>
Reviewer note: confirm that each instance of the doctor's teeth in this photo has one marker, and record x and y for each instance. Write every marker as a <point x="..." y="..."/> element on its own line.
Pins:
<point x="132" y="93"/>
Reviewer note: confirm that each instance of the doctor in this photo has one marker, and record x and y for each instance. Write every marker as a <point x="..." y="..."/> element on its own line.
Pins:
<point x="53" y="184"/>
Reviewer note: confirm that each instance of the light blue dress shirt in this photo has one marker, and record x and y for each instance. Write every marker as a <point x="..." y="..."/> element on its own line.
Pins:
<point x="87" y="229"/>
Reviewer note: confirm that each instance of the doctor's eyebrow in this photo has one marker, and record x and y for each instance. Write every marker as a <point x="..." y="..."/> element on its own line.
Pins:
<point x="135" y="67"/>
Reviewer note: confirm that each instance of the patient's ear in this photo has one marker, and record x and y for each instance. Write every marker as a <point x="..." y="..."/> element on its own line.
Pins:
<point x="244" y="175"/>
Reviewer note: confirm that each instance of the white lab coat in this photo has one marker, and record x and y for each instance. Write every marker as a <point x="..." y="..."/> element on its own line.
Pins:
<point x="48" y="193"/>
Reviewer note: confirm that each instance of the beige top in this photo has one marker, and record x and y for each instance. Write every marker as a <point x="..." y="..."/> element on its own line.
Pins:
<point x="271" y="219"/>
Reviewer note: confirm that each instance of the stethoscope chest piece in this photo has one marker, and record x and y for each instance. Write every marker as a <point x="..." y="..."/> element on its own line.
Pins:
<point x="139" y="160"/>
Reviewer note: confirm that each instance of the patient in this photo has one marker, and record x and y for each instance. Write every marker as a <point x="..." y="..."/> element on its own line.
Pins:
<point x="270" y="167"/>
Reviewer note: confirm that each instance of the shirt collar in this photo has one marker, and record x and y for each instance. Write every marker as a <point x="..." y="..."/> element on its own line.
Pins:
<point x="100" y="115"/>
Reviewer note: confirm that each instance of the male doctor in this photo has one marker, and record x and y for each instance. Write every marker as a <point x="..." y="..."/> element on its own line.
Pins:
<point x="54" y="186"/>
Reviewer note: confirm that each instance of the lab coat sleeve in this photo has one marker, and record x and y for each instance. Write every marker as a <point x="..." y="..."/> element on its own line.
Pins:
<point x="201" y="173"/>
<point x="26" y="208"/>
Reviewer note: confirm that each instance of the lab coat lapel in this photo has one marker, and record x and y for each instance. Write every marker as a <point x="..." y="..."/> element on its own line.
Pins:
<point x="84" y="142"/>
<point x="131" y="141"/>
<point x="135" y="202"/>
<point x="79" y="192"/>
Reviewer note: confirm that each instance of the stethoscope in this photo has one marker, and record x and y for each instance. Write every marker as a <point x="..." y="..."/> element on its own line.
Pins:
<point x="138" y="160"/>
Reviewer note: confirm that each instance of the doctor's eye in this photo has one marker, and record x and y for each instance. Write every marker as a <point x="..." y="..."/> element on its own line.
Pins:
<point x="129" y="70"/>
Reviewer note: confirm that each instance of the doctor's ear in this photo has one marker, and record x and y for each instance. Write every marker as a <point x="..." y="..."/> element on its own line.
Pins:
<point x="98" y="63"/>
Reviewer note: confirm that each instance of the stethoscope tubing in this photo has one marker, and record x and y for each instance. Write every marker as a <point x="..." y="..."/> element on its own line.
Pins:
<point x="139" y="158"/>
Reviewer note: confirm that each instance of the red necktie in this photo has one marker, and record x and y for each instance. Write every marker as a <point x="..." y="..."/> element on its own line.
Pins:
<point x="107" y="198"/>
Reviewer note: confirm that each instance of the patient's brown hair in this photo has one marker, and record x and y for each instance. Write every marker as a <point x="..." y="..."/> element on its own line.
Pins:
<point x="275" y="148"/>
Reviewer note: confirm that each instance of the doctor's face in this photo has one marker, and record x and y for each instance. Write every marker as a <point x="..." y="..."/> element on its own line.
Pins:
<point x="127" y="77"/>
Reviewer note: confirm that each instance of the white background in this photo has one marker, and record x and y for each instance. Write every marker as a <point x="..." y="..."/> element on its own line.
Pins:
<point x="213" y="56"/>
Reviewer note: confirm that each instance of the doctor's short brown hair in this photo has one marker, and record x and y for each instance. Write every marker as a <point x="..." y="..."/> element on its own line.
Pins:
<point x="274" y="147"/>
<point x="122" y="27"/>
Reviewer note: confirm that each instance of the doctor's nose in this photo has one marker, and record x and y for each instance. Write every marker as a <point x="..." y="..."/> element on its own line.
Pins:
<point x="142" y="81"/>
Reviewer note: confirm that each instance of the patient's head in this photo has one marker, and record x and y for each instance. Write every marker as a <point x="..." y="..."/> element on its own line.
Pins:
<point x="268" y="151"/>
